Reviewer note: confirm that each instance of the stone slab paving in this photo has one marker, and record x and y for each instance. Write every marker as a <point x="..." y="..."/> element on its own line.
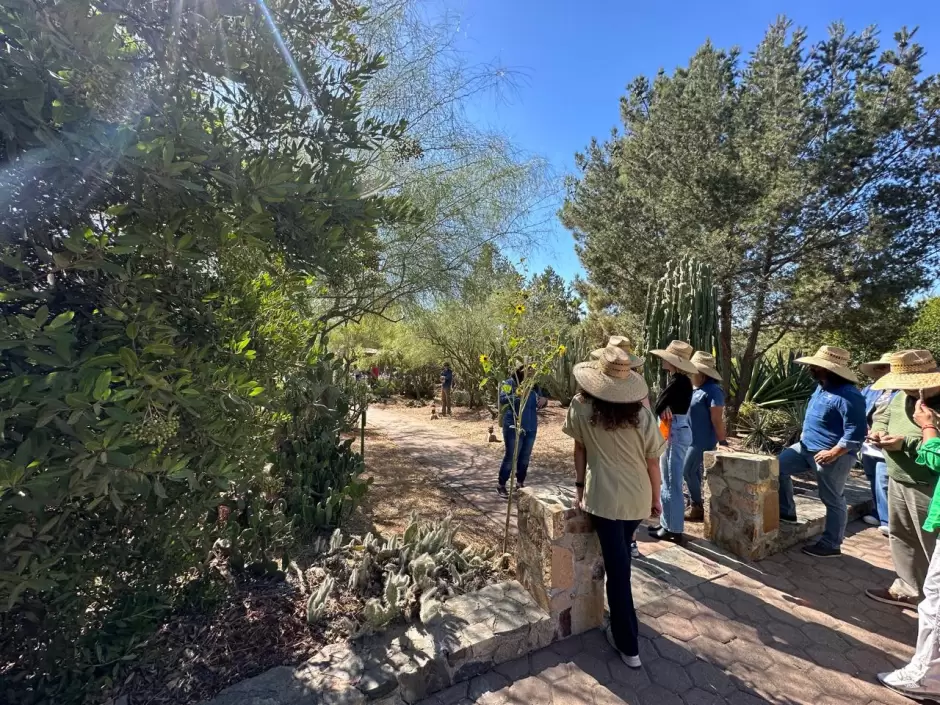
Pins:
<point x="789" y="630"/>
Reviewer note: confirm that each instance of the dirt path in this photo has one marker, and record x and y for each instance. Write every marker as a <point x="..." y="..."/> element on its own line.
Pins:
<point x="456" y="457"/>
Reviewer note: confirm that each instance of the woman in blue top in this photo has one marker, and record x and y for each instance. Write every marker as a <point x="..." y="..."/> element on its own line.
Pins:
<point x="706" y="417"/>
<point x="530" y="425"/>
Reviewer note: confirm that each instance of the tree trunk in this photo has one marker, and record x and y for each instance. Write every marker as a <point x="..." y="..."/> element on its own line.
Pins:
<point x="724" y="341"/>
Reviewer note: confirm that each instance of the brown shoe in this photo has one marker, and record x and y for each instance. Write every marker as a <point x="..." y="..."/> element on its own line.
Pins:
<point x="695" y="512"/>
<point x="889" y="598"/>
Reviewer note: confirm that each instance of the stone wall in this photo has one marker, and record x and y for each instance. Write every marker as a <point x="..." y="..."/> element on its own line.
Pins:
<point x="742" y="503"/>
<point x="558" y="560"/>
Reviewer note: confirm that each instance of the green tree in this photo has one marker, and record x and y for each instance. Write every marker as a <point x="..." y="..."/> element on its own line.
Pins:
<point x="174" y="181"/>
<point x="924" y="332"/>
<point x="804" y="175"/>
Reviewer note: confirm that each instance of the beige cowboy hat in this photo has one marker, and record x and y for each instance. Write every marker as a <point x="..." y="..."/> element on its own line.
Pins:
<point x="625" y="344"/>
<point x="833" y="359"/>
<point x="611" y="377"/>
<point x="706" y="364"/>
<point x="679" y="354"/>
<point x="868" y="367"/>
<point x="910" y="369"/>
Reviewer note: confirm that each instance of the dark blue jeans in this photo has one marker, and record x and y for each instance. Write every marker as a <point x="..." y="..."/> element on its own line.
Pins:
<point x="526" y="442"/>
<point x="615" y="537"/>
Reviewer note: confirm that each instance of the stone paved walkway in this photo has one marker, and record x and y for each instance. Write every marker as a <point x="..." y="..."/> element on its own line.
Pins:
<point x="789" y="630"/>
<point x="715" y="631"/>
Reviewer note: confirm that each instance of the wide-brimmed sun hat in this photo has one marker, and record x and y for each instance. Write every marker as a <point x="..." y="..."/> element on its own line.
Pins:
<point x="625" y="344"/>
<point x="611" y="377"/>
<point x="705" y="363"/>
<point x="679" y="354"/>
<point x="868" y="367"/>
<point x="910" y="369"/>
<point x="836" y="360"/>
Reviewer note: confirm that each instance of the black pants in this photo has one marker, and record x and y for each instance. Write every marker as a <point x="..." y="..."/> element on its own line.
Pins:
<point x="615" y="537"/>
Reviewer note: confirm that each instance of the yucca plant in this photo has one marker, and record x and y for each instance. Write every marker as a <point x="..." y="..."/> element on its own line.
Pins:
<point x="683" y="305"/>
<point x="770" y="429"/>
<point x="776" y="381"/>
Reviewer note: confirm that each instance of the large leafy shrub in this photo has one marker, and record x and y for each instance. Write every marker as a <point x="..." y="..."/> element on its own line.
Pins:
<point x="172" y="191"/>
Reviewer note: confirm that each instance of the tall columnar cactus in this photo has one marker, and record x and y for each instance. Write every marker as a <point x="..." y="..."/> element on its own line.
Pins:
<point x="560" y="383"/>
<point x="683" y="305"/>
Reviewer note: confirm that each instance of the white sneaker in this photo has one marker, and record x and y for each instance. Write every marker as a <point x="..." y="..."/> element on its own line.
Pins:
<point x="631" y="661"/>
<point x="909" y="681"/>
<point x="871" y="520"/>
<point x="884" y="530"/>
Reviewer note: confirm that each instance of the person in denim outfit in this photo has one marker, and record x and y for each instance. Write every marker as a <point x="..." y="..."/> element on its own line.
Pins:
<point x="530" y="426"/>
<point x="833" y="431"/>
<point x="672" y="407"/>
<point x="873" y="459"/>
<point x="706" y="417"/>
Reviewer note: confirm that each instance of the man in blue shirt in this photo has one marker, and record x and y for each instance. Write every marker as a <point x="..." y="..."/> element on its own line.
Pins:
<point x="529" y="423"/>
<point x="447" y="384"/>
<point x="833" y="431"/>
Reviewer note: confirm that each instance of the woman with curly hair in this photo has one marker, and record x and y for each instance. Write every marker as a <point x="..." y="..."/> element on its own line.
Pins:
<point x="616" y="457"/>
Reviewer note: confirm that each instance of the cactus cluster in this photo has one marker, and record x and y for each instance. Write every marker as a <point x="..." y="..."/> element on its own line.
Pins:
<point x="683" y="305"/>
<point x="405" y="577"/>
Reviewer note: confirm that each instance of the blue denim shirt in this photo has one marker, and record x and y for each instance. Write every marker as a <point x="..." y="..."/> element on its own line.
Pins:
<point x="700" y="414"/>
<point x="835" y="417"/>
<point x="873" y="395"/>
<point x="447" y="378"/>
<point x="530" y="417"/>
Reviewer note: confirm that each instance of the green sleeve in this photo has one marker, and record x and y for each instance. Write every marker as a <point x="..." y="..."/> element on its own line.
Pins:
<point x="929" y="454"/>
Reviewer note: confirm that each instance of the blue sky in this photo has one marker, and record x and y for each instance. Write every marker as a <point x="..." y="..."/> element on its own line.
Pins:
<point x="575" y="58"/>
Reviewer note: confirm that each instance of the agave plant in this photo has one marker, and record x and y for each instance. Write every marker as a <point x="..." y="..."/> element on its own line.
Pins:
<point x="770" y="429"/>
<point x="777" y="381"/>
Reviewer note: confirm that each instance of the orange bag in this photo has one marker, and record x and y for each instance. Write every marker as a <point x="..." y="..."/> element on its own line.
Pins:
<point x="664" y="428"/>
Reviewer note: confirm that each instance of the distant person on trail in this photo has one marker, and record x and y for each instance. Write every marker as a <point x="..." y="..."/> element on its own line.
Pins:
<point x="530" y="424"/>
<point x="873" y="459"/>
<point x="706" y="417"/>
<point x="447" y="385"/>
<point x="833" y="431"/>
<point x="910" y="483"/>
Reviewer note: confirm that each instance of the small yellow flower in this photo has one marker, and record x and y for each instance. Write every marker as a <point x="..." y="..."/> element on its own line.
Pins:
<point x="520" y="309"/>
<point x="484" y="359"/>
<point x="561" y="349"/>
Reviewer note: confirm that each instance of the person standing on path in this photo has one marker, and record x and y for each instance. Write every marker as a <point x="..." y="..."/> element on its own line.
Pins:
<point x="873" y="460"/>
<point x="920" y="679"/>
<point x="672" y="407"/>
<point x="447" y="385"/>
<point x="910" y="484"/>
<point x="636" y="363"/>
<point x="833" y="431"/>
<point x="707" y="420"/>
<point x="616" y="450"/>
<point x="530" y="426"/>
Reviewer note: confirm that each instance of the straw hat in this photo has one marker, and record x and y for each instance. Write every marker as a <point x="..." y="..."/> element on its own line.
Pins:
<point x="869" y="367"/>
<point x="705" y="364"/>
<point x="625" y="344"/>
<point x="910" y="369"/>
<point x="678" y="353"/>
<point x="833" y="359"/>
<point x="611" y="377"/>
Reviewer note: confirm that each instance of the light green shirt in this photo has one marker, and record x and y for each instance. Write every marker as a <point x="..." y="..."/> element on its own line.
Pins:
<point x="616" y="483"/>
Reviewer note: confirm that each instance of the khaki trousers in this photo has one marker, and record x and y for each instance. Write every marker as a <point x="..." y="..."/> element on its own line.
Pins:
<point x="911" y="546"/>
<point x="445" y="401"/>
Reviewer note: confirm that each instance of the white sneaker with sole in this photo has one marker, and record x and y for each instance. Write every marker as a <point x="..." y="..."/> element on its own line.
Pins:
<point x="871" y="520"/>
<point x="631" y="661"/>
<point x="884" y="530"/>
<point x="910" y="681"/>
